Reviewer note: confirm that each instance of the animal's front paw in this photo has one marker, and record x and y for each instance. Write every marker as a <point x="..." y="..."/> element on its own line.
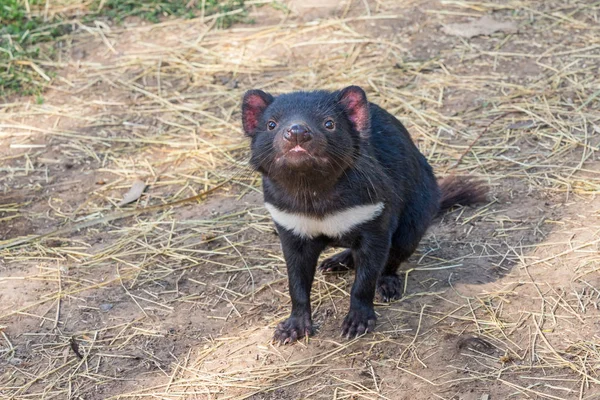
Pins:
<point x="390" y="287"/>
<point x="340" y="262"/>
<point x="293" y="329"/>
<point x="358" y="321"/>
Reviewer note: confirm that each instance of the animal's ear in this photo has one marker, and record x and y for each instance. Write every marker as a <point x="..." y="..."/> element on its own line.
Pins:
<point x="355" y="103"/>
<point x="253" y="106"/>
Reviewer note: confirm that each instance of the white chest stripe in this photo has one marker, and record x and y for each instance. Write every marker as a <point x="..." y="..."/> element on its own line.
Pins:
<point x="332" y="225"/>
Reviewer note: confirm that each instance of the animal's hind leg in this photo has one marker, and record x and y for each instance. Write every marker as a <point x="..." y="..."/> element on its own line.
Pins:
<point x="390" y="286"/>
<point x="339" y="262"/>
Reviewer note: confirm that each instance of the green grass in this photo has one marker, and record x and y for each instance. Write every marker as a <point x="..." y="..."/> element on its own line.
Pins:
<point x="154" y="10"/>
<point x="27" y="38"/>
<point x="21" y="37"/>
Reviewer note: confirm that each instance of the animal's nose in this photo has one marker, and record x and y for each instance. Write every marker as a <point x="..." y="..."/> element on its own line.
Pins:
<point x="298" y="133"/>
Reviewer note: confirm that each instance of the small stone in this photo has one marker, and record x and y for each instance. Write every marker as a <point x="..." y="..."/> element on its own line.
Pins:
<point x="106" y="307"/>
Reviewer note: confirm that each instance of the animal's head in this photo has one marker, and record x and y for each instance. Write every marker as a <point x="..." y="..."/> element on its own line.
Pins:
<point x="315" y="135"/>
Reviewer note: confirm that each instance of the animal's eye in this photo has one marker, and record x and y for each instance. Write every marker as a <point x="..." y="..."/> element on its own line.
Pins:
<point x="329" y="124"/>
<point x="271" y="125"/>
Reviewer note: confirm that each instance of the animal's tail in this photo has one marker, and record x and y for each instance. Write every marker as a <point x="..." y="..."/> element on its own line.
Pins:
<point x="464" y="191"/>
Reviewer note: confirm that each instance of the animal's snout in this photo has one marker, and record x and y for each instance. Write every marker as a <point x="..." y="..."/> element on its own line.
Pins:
<point x="298" y="133"/>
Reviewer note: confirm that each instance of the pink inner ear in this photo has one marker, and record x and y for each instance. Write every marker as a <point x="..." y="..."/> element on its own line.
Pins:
<point x="255" y="101"/>
<point x="358" y="111"/>
<point x="255" y="105"/>
<point x="251" y="119"/>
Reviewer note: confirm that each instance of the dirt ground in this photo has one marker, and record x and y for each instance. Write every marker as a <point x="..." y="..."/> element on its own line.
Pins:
<point x="180" y="301"/>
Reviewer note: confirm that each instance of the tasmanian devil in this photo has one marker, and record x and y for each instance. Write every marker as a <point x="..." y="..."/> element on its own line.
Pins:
<point x="340" y="171"/>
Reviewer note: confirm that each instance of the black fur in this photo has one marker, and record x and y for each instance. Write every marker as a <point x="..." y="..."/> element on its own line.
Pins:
<point x="368" y="157"/>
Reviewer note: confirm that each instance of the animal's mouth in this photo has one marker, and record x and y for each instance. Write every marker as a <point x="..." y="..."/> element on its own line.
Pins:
<point x="296" y="157"/>
<point x="297" y="149"/>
